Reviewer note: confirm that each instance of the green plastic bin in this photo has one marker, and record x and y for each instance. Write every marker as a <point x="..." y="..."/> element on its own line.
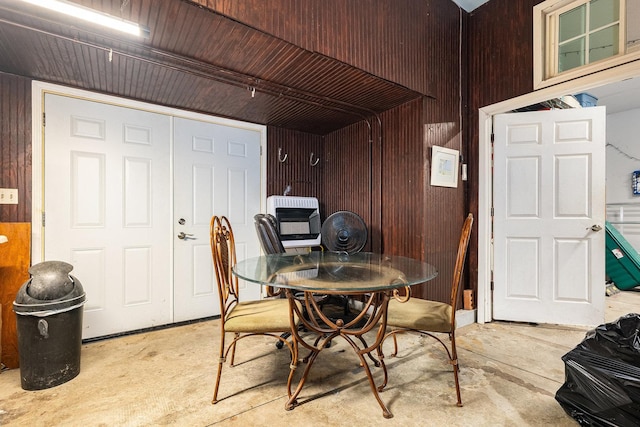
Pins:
<point x="622" y="260"/>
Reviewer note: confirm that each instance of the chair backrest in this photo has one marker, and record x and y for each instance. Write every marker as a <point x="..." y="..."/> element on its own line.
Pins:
<point x="223" y="252"/>
<point x="268" y="234"/>
<point x="465" y="236"/>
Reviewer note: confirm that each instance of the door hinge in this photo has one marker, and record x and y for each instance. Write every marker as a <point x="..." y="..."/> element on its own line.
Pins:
<point x="43" y="219"/>
<point x="493" y="137"/>
<point x="492" y="285"/>
<point x="44" y="118"/>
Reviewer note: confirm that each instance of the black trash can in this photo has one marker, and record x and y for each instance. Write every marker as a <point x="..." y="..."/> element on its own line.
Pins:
<point x="48" y="310"/>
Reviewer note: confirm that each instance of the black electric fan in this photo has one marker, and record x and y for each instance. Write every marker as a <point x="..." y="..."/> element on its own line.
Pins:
<point x="344" y="231"/>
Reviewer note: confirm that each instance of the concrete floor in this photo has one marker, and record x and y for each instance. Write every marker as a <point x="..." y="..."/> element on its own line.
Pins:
<point x="509" y="376"/>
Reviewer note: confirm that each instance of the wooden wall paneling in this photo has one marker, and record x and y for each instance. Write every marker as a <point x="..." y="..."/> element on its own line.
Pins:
<point x="419" y="220"/>
<point x="402" y="177"/>
<point x="415" y="219"/>
<point x="444" y="208"/>
<point x="290" y="20"/>
<point x="15" y="145"/>
<point x="349" y="175"/>
<point x="296" y="88"/>
<point x="448" y="206"/>
<point x="500" y="67"/>
<point x="15" y="259"/>
<point x="377" y="169"/>
<point x="470" y="272"/>
<point x="296" y="170"/>
<point x="499" y="74"/>
<point x="392" y="39"/>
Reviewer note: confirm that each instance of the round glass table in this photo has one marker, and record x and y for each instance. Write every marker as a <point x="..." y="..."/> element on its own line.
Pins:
<point x="306" y="278"/>
<point x="335" y="273"/>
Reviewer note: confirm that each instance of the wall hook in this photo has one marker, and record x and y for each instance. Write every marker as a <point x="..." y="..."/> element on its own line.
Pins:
<point x="280" y="158"/>
<point x="311" y="162"/>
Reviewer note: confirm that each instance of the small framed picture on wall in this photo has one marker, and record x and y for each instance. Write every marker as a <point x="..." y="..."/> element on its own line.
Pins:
<point x="444" y="167"/>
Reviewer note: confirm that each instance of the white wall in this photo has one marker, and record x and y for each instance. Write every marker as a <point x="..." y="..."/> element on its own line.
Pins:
<point x="623" y="157"/>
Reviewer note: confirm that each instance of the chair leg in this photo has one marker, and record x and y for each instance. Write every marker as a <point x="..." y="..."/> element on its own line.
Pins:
<point x="220" y="363"/>
<point x="284" y="336"/>
<point x="346" y="306"/>
<point x="233" y="348"/>
<point x="456" y="368"/>
<point x="451" y="354"/>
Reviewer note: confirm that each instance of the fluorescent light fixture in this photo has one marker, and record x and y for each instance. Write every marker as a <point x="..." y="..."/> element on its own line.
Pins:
<point x="93" y="16"/>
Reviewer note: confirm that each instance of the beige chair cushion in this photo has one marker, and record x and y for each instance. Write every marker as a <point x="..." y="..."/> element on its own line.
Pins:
<point x="420" y="314"/>
<point x="269" y="315"/>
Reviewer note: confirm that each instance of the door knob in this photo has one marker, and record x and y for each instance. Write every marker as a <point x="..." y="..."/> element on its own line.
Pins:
<point x="595" y="227"/>
<point x="182" y="235"/>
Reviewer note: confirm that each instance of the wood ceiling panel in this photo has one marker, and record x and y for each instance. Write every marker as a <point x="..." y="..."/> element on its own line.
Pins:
<point x="195" y="59"/>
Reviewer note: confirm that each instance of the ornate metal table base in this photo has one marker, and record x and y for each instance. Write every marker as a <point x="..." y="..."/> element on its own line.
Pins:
<point x="372" y="315"/>
<point x="374" y="277"/>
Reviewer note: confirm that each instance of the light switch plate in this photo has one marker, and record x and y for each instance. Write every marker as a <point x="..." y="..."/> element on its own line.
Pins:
<point x="8" y="196"/>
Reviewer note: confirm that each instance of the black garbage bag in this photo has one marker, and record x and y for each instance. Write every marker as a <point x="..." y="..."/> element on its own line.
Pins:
<point x="602" y="375"/>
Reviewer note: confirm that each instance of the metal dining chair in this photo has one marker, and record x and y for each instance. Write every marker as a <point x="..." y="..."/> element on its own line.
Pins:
<point x="271" y="244"/>
<point x="269" y="317"/>
<point x="269" y="241"/>
<point x="431" y="317"/>
<point x="268" y="234"/>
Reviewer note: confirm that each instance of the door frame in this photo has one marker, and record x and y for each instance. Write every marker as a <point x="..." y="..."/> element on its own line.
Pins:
<point x="40" y="89"/>
<point x="485" y="176"/>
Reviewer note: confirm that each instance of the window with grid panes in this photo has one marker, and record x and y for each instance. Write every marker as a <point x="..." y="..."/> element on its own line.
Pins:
<point x="577" y="37"/>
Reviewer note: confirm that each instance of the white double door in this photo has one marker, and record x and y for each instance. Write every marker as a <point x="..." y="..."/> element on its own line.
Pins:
<point x="127" y="199"/>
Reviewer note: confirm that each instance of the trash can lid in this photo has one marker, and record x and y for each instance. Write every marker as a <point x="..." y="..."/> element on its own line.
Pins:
<point x="50" y="280"/>
<point x="50" y="289"/>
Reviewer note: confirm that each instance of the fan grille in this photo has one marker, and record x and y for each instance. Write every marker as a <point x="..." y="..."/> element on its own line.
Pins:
<point x="344" y="231"/>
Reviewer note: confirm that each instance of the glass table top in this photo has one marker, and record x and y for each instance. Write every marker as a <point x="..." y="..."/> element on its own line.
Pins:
<point x="331" y="272"/>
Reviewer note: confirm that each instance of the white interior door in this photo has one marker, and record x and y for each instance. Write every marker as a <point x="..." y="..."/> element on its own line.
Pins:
<point x="107" y="207"/>
<point x="549" y="212"/>
<point x="216" y="172"/>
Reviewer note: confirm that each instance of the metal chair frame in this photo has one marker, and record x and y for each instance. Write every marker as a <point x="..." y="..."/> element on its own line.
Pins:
<point x="224" y="259"/>
<point x="456" y="285"/>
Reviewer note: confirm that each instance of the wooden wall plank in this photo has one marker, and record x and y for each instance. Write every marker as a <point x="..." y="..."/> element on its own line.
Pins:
<point x="349" y="174"/>
<point x="500" y="67"/>
<point x="295" y="171"/>
<point x="15" y="145"/>
<point x="392" y="39"/>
